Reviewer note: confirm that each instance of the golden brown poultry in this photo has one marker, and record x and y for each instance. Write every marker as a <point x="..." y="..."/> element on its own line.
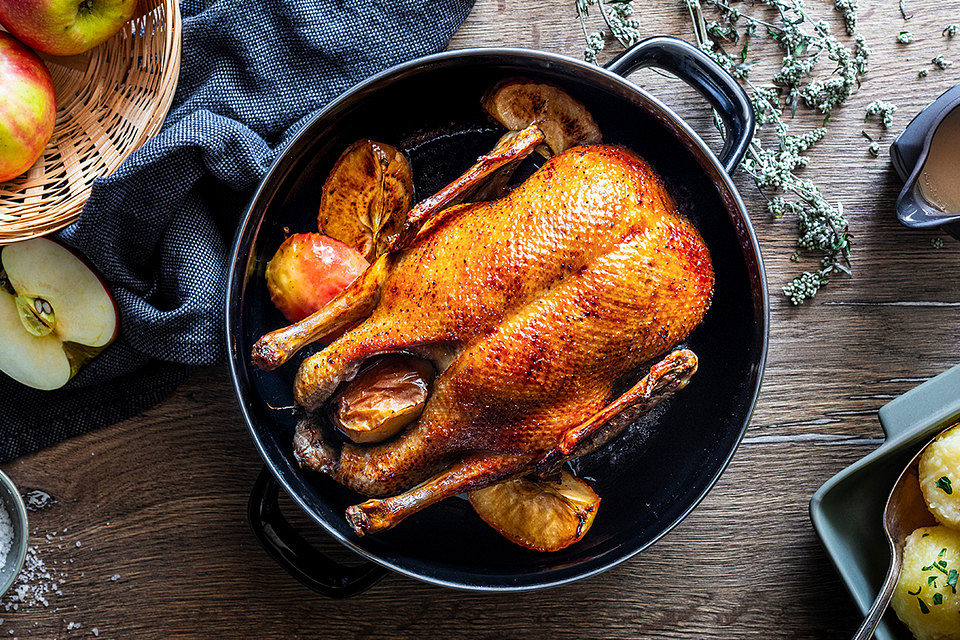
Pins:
<point x="532" y="307"/>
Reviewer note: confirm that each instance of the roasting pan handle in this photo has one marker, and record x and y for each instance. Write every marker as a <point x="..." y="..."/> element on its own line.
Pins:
<point x="296" y="555"/>
<point x="699" y="71"/>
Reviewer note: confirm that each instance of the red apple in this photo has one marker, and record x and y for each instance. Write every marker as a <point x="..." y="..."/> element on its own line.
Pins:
<point x="308" y="271"/>
<point x="56" y="314"/>
<point x="65" y="27"/>
<point x="27" y="107"/>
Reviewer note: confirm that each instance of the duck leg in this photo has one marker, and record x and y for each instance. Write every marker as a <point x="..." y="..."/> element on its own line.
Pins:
<point x="354" y="303"/>
<point x="665" y="378"/>
<point x="358" y="300"/>
<point x="509" y="150"/>
<point x="371" y="470"/>
<point x="471" y="473"/>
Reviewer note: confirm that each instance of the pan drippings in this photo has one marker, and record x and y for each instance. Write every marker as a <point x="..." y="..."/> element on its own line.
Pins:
<point x="940" y="177"/>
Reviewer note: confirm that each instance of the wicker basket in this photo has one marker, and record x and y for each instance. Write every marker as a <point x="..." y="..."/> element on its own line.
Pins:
<point x="110" y="100"/>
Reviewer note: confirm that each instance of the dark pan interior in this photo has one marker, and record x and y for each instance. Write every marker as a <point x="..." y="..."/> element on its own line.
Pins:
<point x="650" y="477"/>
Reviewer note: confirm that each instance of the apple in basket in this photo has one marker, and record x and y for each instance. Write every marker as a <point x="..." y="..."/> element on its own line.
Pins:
<point x="65" y="27"/>
<point x="27" y="107"/>
<point x="55" y="313"/>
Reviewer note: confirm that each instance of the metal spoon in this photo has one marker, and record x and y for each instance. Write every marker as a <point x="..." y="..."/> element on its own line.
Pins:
<point x="905" y="512"/>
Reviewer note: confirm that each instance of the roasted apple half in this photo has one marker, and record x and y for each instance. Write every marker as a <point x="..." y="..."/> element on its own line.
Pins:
<point x="308" y="271"/>
<point x="383" y="399"/>
<point x="565" y="122"/>
<point x="544" y="515"/>
<point x="366" y="197"/>
<point x="56" y="313"/>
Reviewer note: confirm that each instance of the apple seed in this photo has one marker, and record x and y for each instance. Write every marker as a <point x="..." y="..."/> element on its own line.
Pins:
<point x="37" y="318"/>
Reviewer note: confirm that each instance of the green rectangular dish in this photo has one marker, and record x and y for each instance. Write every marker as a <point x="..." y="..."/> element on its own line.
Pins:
<point x="847" y="511"/>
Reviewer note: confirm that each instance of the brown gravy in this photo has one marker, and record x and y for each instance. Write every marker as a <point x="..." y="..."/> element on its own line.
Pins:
<point x="940" y="177"/>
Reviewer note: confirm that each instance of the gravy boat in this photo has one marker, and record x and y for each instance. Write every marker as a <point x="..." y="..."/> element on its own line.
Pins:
<point x="909" y="152"/>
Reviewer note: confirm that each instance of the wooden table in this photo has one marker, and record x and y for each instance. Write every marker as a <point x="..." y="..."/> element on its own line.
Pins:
<point x="160" y="499"/>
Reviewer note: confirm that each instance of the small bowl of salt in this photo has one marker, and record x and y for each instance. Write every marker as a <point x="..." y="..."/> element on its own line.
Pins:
<point x="13" y="532"/>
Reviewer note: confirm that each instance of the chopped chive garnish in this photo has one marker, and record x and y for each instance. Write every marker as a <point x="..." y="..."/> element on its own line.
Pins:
<point x="944" y="484"/>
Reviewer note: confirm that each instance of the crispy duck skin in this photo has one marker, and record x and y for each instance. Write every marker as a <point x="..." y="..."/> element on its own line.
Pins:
<point x="532" y="307"/>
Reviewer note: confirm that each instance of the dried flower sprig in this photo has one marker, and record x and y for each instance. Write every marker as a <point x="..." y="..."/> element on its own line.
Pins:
<point x="950" y="30"/>
<point x="904" y="37"/>
<point x="848" y="9"/>
<point x="822" y="226"/>
<point x="874" y="147"/>
<point x="903" y="10"/>
<point x="941" y="63"/>
<point x="617" y="16"/>
<point x="883" y="109"/>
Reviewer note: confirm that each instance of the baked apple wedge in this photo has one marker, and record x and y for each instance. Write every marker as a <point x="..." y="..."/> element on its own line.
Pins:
<point x="55" y="313"/>
<point x="366" y="197"/>
<point x="565" y="122"/>
<point x="384" y="399"/>
<point x="544" y="515"/>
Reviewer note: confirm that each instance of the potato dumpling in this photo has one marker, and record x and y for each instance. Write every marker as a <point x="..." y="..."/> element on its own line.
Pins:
<point x="926" y="598"/>
<point x="940" y="477"/>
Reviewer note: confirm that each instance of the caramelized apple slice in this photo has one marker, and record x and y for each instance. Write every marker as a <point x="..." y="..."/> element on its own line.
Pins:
<point x="565" y="122"/>
<point x="383" y="399"/>
<point x="541" y="515"/>
<point x="366" y="197"/>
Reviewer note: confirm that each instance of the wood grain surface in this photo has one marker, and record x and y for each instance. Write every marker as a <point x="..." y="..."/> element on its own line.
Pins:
<point x="159" y="500"/>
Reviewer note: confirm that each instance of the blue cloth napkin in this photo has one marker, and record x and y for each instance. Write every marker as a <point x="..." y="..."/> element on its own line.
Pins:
<point x="159" y="228"/>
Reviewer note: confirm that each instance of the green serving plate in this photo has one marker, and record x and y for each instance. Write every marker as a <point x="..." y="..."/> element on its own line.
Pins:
<point x="847" y="511"/>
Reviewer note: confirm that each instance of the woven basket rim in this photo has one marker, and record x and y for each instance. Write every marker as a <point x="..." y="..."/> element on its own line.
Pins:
<point x="146" y="71"/>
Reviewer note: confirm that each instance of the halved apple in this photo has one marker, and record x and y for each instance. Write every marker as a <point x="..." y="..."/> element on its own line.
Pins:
<point x="545" y="515"/>
<point x="366" y="197"/>
<point x="564" y="121"/>
<point x="56" y="313"/>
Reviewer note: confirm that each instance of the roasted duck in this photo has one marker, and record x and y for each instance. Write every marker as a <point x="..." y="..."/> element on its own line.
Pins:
<point x="532" y="307"/>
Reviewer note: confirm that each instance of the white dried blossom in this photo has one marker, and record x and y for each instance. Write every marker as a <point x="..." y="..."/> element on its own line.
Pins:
<point x="941" y="63"/>
<point x="883" y="109"/>
<point x="848" y="9"/>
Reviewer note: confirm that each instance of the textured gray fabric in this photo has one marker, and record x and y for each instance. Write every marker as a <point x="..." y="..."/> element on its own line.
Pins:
<point x="159" y="228"/>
